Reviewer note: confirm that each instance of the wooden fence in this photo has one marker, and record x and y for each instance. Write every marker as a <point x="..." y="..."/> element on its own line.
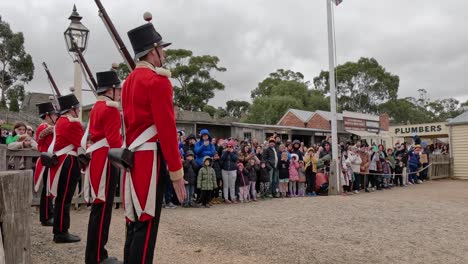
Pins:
<point x="441" y="167"/>
<point x="29" y="161"/>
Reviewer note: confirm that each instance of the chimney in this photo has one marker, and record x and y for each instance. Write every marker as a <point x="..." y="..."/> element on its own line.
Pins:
<point x="384" y="121"/>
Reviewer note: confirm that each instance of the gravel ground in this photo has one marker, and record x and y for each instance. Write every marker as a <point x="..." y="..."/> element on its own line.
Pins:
<point x="425" y="223"/>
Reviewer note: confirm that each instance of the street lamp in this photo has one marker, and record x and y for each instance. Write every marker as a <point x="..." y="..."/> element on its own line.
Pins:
<point x="76" y="37"/>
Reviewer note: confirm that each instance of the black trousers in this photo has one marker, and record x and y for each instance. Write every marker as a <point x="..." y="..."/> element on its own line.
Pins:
<point x="205" y="197"/>
<point x="310" y="178"/>
<point x="372" y="178"/>
<point x="141" y="236"/>
<point x="100" y="219"/>
<point x="357" y="181"/>
<point x="46" y="208"/>
<point x="69" y="177"/>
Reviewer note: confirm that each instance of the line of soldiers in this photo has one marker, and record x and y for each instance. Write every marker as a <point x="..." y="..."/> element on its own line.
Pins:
<point x="150" y="137"/>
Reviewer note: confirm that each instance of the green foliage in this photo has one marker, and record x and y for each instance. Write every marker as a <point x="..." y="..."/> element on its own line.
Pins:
<point x="15" y="95"/>
<point x="211" y="110"/>
<point x="221" y="112"/>
<point x="403" y="111"/>
<point x="269" y="109"/>
<point x="196" y="85"/>
<point x="123" y="71"/>
<point x="237" y="108"/>
<point x="280" y="91"/>
<point x="361" y="86"/>
<point x="16" y="66"/>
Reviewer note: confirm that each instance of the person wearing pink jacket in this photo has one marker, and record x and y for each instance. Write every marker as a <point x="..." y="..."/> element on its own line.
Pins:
<point x="293" y="175"/>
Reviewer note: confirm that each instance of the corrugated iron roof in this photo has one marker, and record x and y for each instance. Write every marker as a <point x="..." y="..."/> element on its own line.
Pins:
<point x="459" y="120"/>
<point x="304" y="116"/>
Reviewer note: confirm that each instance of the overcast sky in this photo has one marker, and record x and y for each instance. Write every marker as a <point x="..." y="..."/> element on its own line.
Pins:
<point x="425" y="42"/>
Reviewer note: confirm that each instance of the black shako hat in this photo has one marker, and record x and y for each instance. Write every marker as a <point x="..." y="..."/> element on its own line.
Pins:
<point x="45" y="109"/>
<point x="107" y="80"/>
<point x="145" y="38"/>
<point x="68" y="102"/>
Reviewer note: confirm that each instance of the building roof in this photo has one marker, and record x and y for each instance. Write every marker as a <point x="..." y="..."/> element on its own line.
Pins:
<point x="361" y="116"/>
<point x="304" y="116"/>
<point x="328" y="115"/>
<point x="32" y="99"/>
<point x="459" y="120"/>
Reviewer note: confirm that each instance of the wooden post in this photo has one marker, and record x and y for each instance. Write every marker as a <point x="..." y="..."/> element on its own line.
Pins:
<point x="15" y="215"/>
<point x="3" y="158"/>
<point x="332" y="187"/>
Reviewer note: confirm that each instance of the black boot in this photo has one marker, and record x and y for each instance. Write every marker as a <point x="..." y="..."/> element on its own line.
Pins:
<point x="66" y="238"/>
<point x="111" y="260"/>
<point x="49" y="222"/>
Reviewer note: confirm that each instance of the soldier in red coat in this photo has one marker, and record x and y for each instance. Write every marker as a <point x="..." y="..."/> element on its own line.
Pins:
<point x="44" y="136"/>
<point x="101" y="176"/>
<point x="152" y="136"/>
<point x="64" y="176"/>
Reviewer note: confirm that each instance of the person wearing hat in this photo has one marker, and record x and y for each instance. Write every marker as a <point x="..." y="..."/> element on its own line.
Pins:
<point x="151" y="134"/>
<point x="64" y="176"/>
<point x="44" y="136"/>
<point x="271" y="156"/>
<point x="101" y="176"/>
<point x="190" y="176"/>
<point x="414" y="164"/>
<point x="229" y="168"/>
<point x="206" y="181"/>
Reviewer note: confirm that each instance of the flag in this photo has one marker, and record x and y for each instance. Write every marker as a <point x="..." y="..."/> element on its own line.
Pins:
<point x="337" y="2"/>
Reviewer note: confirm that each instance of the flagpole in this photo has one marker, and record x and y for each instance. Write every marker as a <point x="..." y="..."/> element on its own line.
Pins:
<point x="334" y="179"/>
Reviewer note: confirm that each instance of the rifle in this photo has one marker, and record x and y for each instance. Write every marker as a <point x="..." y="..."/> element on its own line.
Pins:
<point x="115" y="35"/>
<point x="55" y="90"/>
<point x="84" y="65"/>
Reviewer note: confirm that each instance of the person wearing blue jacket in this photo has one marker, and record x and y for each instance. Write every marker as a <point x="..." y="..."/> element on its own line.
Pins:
<point x="204" y="147"/>
<point x="414" y="164"/>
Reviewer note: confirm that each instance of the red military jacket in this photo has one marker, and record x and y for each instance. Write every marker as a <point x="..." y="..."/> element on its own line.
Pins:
<point x="147" y="100"/>
<point x="68" y="131"/>
<point x="44" y="136"/>
<point x="104" y="123"/>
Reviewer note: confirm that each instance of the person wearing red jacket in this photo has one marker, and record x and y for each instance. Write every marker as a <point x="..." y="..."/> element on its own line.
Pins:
<point x="152" y="136"/>
<point x="64" y="176"/>
<point x="101" y="176"/>
<point x="44" y="136"/>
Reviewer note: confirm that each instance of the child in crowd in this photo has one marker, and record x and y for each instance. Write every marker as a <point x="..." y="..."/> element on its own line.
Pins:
<point x="302" y="179"/>
<point x="190" y="177"/>
<point x="399" y="165"/>
<point x="387" y="173"/>
<point x="413" y="164"/>
<point x="206" y="181"/>
<point x="293" y="175"/>
<point x="264" y="179"/>
<point x="217" y="199"/>
<point x="243" y="182"/>
<point x="283" y="167"/>
<point x="252" y="169"/>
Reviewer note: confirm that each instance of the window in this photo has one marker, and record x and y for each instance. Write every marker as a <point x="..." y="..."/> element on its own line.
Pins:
<point x="247" y="135"/>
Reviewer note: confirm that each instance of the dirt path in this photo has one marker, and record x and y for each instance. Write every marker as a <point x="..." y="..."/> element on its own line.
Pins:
<point x="426" y="223"/>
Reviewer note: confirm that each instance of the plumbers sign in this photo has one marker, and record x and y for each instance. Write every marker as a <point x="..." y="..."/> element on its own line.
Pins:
<point x="432" y="129"/>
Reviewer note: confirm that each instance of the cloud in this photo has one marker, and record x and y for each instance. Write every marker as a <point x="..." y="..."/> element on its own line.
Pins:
<point x="421" y="41"/>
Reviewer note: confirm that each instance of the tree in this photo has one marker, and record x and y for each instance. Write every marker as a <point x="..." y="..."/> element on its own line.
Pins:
<point x="266" y="86"/>
<point x="16" y="66"/>
<point x="123" y="71"/>
<point x="269" y="109"/>
<point x="403" y="111"/>
<point x="211" y="110"/>
<point x="237" y="108"/>
<point x="444" y="109"/>
<point x="15" y="95"/>
<point x="280" y="91"/>
<point x="196" y="85"/>
<point x="221" y="112"/>
<point x="361" y="86"/>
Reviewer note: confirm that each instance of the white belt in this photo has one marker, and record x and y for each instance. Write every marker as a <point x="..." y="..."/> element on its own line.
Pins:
<point x="100" y="144"/>
<point x="146" y="146"/>
<point x="66" y="150"/>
